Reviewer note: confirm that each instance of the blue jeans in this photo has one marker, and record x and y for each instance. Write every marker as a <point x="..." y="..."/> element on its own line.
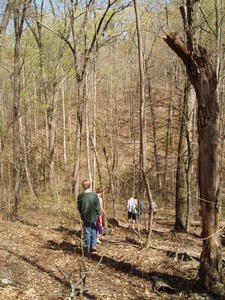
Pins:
<point x="90" y="230"/>
<point x="141" y="218"/>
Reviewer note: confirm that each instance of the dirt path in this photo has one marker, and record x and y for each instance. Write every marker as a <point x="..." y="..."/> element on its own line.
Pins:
<point x="38" y="254"/>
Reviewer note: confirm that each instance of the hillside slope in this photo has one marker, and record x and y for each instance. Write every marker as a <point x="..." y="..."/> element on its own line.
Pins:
<point x="41" y="256"/>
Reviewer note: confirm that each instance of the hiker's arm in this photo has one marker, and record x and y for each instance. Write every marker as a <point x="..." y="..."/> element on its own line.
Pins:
<point x="97" y="206"/>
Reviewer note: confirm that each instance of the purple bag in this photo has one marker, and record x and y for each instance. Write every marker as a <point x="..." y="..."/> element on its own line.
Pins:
<point x="100" y="229"/>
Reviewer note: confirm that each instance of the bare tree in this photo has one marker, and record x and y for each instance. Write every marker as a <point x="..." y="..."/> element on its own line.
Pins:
<point x="143" y="161"/>
<point x="6" y="17"/>
<point x="19" y="14"/>
<point x="80" y="65"/>
<point x="201" y="71"/>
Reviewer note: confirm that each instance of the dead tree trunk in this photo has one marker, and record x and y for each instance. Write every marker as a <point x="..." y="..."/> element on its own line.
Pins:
<point x="202" y="74"/>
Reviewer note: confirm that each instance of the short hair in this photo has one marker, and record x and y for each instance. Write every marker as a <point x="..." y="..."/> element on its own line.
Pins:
<point x="99" y="190"/>
<point x="86" y="184"/>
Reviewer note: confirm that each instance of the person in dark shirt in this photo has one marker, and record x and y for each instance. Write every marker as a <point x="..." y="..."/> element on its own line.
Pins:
<point x="89" y="208"/>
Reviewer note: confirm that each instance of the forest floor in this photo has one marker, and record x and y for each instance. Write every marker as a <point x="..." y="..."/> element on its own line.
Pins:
<point x="41" y="258"/>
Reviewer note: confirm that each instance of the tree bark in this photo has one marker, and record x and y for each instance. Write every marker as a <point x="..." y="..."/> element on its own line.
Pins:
<point x="142" y="96"/>
<point x="64" y="125"/>
<point x="143" y="160"/>
<point x="27" y="171"/>
<point x="111" y="181"/>
<point x="181" y="188"/>
<point x="87" y="113"/>
<point x="167" y="143"/>
<point x="19" y="11"/>
<point x="154" y="131"/>
<point x="202" y="74"/>
<point x="78" y="138"/>
<point x="189" y="129"/>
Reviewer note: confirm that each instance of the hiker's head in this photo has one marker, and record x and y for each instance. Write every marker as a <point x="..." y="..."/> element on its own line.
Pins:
<point x="86" y="184"/>
<point x="99" y="190"/>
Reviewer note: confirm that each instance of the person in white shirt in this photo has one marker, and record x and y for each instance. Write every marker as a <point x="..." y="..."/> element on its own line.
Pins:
<point x="132" y="206"/>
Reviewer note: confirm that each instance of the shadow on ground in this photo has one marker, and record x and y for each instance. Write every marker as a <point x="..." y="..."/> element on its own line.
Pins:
<point x="178" y="284"/>
<point x="64" y="282"/>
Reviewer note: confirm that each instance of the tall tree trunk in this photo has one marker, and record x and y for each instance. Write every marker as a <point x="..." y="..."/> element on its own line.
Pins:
<point x="94" y="121"/>
<point x="27" y="171"/>
<point x="219" y="9"/>
<point x="2" y="174"/>
<point x="143" y="160"/>
<point x="184" y="162"/>
<point x="133" y="141"/>
<point x="111" y="181"/>
<point x="52" y="130"/>
<point x="181" y="188"/>
<point x="154" y="130"/>
<point x="202" y="74"/>
<point x="189" y="115"/>
<point x="168" y="134"/>
<point x="211" y="262"/>
<point x="97" y="163"/>
<point x="35" y="117"/>
<point x="87" y="112"/>
<point x="19" y="16"/>
<point x="78" y="138"/>
<point x="64" y="125"/>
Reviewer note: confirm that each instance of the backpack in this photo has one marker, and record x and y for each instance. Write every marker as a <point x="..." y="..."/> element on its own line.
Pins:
<point x="141" y="207"/>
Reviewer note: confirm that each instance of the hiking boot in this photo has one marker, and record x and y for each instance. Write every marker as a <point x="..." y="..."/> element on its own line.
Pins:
<point x="94" y="250"/>
<point x="98" y="241"/>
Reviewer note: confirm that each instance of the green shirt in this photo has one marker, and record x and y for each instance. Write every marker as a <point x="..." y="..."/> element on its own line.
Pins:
<point x="89" y="207"/>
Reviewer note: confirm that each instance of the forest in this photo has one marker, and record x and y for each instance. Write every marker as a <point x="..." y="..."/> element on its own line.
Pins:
<point x="129" y="95"/>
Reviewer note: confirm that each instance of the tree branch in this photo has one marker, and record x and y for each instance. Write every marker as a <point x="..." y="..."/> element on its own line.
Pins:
<point x="179" y="47"/>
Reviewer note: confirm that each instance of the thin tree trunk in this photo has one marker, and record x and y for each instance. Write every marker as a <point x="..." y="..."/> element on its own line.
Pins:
<point x="181" y="188"/>
<point x="165" y="184"/>
<point x="87" y="131"/>
<point x="189" y="114"/>
<point x="26" y="161"/>
<point x="111" y="181"/>
<point x="95" y="52"/>
<point x="64" y="125"/>
<point x="154" y="130"/>
<point x="18" y="26"/>
<point x="4" y="195"/>
<point x="78" y="139"/>
<point x="94" y="123"/>
<point x="142" y="124"/>
<point x="52" y="130"/>
<point x="133" y="134"/>
<point x="97" y="163"/>
<point x="35" y="117"/>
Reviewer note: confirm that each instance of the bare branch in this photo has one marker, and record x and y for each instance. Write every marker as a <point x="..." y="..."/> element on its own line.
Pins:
<point x="6" y="16"/>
